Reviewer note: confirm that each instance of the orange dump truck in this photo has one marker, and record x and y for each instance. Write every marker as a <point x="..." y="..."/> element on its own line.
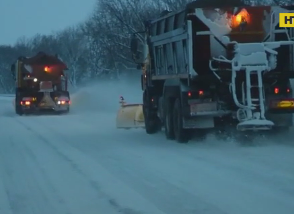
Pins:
<point x="40" y="84"/>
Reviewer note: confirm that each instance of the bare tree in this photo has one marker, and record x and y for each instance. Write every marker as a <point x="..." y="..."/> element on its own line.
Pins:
<point x="100" y="47"/>
<point x="112" y="24"/>
<point x="47" y="43"/>
<point x="72" y="46"/>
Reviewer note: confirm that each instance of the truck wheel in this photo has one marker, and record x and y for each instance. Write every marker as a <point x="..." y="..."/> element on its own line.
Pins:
<point x="181" y="135"/>
<point x="18" y="109"/>
<point x="168" y="122"/>
<point x="152" y="122"/>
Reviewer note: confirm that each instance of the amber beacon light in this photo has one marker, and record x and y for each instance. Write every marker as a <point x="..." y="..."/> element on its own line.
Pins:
<point x="240" y="19"/>
<point x="286" y="20"/>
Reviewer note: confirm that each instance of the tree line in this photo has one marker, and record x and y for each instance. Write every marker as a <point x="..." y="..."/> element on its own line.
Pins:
<point x="98" y="48"/>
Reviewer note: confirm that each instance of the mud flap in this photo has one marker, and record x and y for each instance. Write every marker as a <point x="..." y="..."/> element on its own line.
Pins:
<point x="130" y="116"/>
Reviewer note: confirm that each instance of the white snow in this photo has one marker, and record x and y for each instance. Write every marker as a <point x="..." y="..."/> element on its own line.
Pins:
<point x="250" y="54"/>
<point x="219" y="24"/>
<point x="80" y="163"/>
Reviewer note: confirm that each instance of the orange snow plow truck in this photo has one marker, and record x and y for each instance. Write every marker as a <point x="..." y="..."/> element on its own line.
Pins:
<point x="40" y="84"/>
<point x="215" y="65"/>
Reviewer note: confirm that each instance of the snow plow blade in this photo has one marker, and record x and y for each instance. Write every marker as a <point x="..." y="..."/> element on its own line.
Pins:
<point x="130" y="116"/>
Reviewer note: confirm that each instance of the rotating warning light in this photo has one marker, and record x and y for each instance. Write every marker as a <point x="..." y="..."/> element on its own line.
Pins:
<point x="46" y="69"/>
<point x="242" y="18"/>
<point x="239" y="18"/>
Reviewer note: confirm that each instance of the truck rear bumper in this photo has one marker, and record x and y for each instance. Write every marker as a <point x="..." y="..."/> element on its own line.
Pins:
<point x="45" y="103"/>
<point x="57" y="108"/>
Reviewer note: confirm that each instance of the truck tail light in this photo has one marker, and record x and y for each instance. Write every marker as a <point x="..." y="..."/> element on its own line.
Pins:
<point x="277" y="90"/>
<point x="27" y="103"/>
<point x="200" y="93"/>
<point x="46" y="69"/>
<point x="61" y="102"/>
<point x="65" y="100"/>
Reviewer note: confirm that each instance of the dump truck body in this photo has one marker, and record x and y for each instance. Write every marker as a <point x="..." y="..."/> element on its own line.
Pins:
<point x="40" y="84"/>
<point x="210" y="68"/>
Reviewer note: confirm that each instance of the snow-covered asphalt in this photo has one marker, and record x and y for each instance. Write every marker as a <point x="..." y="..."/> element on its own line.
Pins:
<point x="80" y="164"/>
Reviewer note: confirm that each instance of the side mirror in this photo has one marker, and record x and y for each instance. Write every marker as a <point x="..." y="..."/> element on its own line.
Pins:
<point x="134" y="44"/>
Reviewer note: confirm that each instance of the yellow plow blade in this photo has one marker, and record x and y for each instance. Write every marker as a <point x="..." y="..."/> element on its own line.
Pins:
<point x="130" y="116"/>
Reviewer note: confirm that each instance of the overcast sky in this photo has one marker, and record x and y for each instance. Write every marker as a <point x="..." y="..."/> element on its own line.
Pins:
<point x="29" y="17"/>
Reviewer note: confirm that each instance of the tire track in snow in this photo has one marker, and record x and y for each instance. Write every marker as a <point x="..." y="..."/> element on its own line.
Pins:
<point x="227" y="171"/>
<point x="26" y="187"/>
<point x="93" y="182"/>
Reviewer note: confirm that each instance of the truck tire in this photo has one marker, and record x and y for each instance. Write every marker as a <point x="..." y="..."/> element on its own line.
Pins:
<point x="169" y="121"/>
<point x="152" y="122"/>
<point x="181" y="134"/>
<point x="18" y="110"/>
<point x="17" y="106"/>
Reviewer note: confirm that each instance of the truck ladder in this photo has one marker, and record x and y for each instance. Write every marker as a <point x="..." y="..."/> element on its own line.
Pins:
<point x="251" y="113"/>
<point x="250" y="58"/>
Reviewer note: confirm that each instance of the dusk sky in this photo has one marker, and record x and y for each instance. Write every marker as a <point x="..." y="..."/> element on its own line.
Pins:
<point x="29" y="17"/>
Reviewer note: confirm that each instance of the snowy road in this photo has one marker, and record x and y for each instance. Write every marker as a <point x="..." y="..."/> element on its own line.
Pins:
<point x="79" y="163"/>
